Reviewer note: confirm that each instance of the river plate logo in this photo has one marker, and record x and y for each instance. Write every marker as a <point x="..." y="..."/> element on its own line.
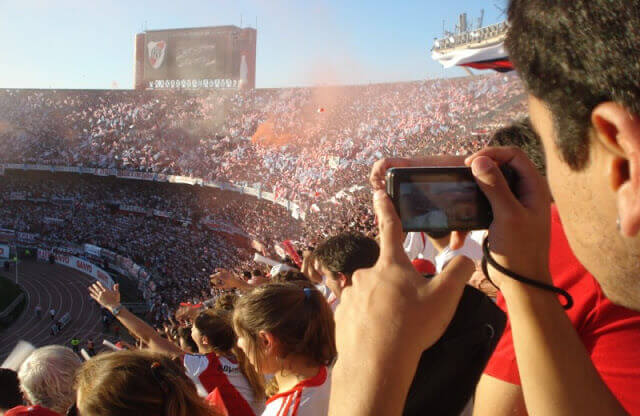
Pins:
<point x="156" y="53"/>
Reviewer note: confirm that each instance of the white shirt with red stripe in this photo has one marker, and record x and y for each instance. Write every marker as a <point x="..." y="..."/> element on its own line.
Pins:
<point x="310" y="397"/>
<point x="210" y="371"/>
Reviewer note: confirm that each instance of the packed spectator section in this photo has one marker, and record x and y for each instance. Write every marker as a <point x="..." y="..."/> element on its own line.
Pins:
<point x="196" y="246"/>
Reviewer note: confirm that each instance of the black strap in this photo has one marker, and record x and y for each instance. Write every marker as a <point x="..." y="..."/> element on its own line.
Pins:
<point x="488" y="258"/>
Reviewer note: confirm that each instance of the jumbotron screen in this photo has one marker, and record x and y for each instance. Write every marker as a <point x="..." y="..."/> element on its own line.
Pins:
<point x="209" y="57"/>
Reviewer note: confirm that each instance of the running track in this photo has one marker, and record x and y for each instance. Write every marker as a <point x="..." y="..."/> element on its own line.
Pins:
<point x="60" y="288"/>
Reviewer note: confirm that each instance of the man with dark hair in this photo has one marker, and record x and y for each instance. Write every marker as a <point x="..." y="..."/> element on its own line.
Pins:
<point x="340" y="256"/>
<point x="579" y="61"/>
<point x="521" y="135"/>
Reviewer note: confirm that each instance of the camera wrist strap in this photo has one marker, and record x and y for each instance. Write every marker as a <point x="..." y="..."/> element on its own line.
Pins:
<point x="488" y="258"/>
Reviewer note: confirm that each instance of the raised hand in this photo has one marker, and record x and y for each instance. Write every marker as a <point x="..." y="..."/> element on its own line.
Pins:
<point x="107" y="298"/>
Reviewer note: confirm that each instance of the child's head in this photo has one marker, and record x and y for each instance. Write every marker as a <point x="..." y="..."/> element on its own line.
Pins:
<point x="212" y="331"/>
<point x="279" y="321"/>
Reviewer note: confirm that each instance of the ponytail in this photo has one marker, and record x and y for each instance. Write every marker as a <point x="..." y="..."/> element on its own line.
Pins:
<point x="295" y="313"/>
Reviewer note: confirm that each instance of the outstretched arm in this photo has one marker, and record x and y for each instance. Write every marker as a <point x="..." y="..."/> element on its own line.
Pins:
<point x="110" y="299"/>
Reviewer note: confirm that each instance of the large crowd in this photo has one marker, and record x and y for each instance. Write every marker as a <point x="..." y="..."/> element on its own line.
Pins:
<point x="356" y="317"/>
<point x="303" y="144"/>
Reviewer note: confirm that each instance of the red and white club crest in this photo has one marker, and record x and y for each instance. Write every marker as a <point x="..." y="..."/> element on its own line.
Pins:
<point x="156" y="53"/>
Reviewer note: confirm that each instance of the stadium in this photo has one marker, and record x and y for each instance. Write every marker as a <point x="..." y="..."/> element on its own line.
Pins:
<point x="201" y="245"/>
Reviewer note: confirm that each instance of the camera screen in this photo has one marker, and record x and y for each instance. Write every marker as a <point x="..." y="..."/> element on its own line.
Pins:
<point x="442" y="203"/>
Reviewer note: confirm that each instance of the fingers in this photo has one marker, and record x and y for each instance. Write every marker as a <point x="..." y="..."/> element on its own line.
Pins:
<point x="444" y="290"/>
<point x="494" y="185"/>
<point x="379" y="170"/>
<point x="390" y="226"/>
<point x="531" y="184"/>
<point x="457" y="239"/>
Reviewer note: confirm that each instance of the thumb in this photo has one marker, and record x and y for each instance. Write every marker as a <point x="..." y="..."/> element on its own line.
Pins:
<point x="493" y="184"/>
<point x="457" y="239"/>
<point x="390" y="228"/>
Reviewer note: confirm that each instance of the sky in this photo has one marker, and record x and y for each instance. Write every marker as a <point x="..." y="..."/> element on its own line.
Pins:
<point x="85" y="44"/>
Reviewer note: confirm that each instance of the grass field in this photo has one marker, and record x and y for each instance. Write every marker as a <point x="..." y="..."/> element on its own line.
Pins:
<point x="8" y="292"/>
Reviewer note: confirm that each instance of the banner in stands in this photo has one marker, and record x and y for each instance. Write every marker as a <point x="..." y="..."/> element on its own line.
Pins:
<point x="105" y="172"/>
<point x="92" y="250"/>
<point x="257" y="190"/>
<point x="27" y="237"/>
<point x="78" y="264"/>
<point x="291" y="251"/>
<point x="18" y="196"/>
<point x="51" y="220"/>
<point x="4" y="251"/>
<point x="127" y="174"/>
<point x="136" y="209"/>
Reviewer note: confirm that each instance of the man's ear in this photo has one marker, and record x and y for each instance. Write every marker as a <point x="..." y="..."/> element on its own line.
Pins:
<point x="619" y="132"/>
<point x="204" y="340"/>
<point x="343" y="280"/>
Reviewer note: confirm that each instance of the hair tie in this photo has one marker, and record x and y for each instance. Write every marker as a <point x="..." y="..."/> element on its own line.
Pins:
<point x="156" y="369"/>
<point x="307" y="292"/>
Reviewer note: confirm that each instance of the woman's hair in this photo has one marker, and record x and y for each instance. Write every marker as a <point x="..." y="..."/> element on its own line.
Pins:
<point x="216" y="325"/>
<point x="295" y="313"/>
<point x="184" y="333"/>
<point x="128" y="383"/>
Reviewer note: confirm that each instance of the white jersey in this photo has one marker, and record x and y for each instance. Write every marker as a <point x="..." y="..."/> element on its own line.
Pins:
<point x="332" y="300"/>
<point x="308" y="398"/>
<point x="470" y="249"/>
<point x="418" y="246"/>
<point x="210" y="372"/>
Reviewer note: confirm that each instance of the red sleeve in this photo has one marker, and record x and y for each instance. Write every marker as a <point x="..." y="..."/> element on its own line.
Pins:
<point x="612" y="338"/>
<point x="502" y="364"/>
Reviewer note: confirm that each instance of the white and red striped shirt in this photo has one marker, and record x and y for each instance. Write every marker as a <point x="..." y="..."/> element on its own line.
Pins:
<point x="310" y="397"/>
<point x="210" y="371"/>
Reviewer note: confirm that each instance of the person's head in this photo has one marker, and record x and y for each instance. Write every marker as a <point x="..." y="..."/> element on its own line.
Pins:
<point x="579" y="62"/>
<point x="136" y="383"/>
<point x="186" y="341"/>
<point x="522" y="135"/>
<point x="226" y="302"/>
<point x="290" y="276"/>
<point x="10" y="394"/>
<point x="340" y="256"/>
<point x="280" y="322"/>
<point x="46" y="377"/>
<point x="212" y="332"/>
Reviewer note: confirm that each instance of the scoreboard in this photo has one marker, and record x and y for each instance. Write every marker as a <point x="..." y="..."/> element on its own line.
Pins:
<point x="195" y="58"/>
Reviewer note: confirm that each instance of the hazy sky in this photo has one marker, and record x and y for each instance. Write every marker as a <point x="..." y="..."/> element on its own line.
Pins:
<point x="83" y="44"/>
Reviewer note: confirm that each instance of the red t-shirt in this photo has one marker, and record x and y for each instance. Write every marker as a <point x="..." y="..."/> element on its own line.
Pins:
<point x="610" y="333"/>
<point x="30" y="411"/>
